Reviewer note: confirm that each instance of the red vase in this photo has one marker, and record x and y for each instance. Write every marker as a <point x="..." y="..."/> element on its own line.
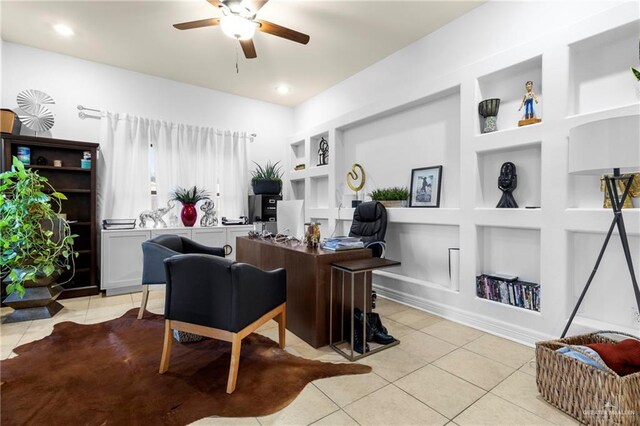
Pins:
<point x="189" y="214"/>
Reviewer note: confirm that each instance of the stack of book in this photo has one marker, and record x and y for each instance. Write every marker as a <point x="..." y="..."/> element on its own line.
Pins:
<point x="342" y="243"/>
<point x="511" y="292"/>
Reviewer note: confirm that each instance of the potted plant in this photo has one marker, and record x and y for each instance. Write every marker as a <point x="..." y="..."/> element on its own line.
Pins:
<point x="267" y="179"/>
<point x="37" y="245"/>
<point x="391" y="197"/>
<point x="189" y="198"/>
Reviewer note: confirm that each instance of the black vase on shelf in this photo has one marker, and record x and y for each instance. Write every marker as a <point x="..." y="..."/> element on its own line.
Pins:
<point x="488" y="109"/>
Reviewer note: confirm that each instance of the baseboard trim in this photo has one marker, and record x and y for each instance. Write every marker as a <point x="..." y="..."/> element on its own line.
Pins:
<point x="490" y="325"/>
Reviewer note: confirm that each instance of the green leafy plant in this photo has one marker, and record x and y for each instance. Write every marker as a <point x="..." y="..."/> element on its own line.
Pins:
<point x="189" y="196"/>
<point x="35" y="242"/>
<point x="390" y="194"/>
<point x="268" y="172"/>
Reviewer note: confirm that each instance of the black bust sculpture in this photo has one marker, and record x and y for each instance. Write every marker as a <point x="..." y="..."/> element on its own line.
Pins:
<point x="507" y="182"/>
<point x="323" y="152"/>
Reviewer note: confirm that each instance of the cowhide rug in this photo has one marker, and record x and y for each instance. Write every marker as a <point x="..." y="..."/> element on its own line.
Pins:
<point x="107" y="373"/>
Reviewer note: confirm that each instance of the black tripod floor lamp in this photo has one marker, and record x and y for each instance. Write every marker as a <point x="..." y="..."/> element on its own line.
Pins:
<point x="601" y="147"/>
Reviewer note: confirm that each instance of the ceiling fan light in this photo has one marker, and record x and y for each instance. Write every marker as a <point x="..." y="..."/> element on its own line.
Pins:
<point x="237" y="27"/>
<point x="283" y="89"/>
<point x="64" y="30"/>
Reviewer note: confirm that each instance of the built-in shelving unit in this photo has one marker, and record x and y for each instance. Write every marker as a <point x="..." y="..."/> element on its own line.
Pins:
<point x="580" y="74"/>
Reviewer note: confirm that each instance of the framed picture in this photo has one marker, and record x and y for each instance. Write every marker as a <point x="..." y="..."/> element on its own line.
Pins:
<point x="425" y="187"/>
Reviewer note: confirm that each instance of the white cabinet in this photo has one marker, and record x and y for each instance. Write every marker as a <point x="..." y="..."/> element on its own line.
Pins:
<point x="232" y="233"/>
<point x="183" y="232"/>
<point x="121" y="265"/>
<point x="121" y="251"/>
<point x="212" y="237"/>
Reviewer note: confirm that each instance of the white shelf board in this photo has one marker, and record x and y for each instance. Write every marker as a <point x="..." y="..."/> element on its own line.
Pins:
<point x="297" y="174"/>
<point x="621" y="111"/>
<point x="510" y="307"/>
<point x="508" y="218"/>
<point x="598" y="220"/>
<point x="416" y="281"/>
<point x="439" y="216"/>
<point x="505" y="140"/>
<point x="318" y="171"/>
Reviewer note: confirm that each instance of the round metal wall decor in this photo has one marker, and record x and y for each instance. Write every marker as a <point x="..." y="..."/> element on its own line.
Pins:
<point x="36" y="117"/>
<point x="354" y="176"/>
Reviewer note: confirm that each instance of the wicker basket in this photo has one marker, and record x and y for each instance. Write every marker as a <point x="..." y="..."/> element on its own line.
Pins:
<point x="592" y="396"/>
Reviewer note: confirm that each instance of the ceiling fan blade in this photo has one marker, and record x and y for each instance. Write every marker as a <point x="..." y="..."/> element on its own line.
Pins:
<point x="197" y="24"/>
<point x="215" y="3"/>
<point x="254" y="5"/>
<point x="284" y="32"/>
<point x="248" y="48"/>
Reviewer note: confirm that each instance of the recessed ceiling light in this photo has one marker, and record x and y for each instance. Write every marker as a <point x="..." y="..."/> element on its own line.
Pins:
<point x="63" y="29"/>
<point x="283" y="89"/>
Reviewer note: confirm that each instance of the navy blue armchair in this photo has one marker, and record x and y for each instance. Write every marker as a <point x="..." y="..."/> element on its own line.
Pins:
<point x="222" y="299"/>
<point x="156" y="250"/>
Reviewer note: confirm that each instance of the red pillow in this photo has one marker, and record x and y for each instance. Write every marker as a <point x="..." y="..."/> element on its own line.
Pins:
<point x="622" y="357"/>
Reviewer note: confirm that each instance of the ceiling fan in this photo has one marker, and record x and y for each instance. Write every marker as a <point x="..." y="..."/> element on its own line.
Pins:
<point x="239" y="22"/>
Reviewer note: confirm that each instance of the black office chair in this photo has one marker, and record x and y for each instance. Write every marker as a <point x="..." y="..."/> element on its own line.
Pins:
<point x="156" y="250"/>
<point x="221" y="299"/>
<point x="370" y="224"/>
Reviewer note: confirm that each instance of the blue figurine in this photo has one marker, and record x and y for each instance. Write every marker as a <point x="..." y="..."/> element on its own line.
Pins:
<point x="527" y="101"/>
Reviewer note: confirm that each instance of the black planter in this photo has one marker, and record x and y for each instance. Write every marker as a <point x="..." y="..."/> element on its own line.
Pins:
<point x="266" y="187"/>
<point x="38" y="302"/>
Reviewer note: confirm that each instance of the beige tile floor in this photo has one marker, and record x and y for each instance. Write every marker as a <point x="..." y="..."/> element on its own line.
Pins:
<point x="442" y="373"/>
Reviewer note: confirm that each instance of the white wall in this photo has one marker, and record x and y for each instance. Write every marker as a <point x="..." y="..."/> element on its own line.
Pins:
<point x="71" y="81"/>
<point x="481" y="33"/>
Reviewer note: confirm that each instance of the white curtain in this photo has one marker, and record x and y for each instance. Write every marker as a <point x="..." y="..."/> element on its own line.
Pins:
<point x="123" y="168"/>
<point x="234" y="174"/>
<point x="208" y="158"/>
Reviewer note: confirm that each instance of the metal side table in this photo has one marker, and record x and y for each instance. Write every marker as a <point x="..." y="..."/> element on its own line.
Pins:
<point x="354" y="267"/>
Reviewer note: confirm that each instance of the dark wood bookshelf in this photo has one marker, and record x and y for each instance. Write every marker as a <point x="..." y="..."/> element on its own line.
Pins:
<point x="79" y="186"/>
<point x="62" y="169"/>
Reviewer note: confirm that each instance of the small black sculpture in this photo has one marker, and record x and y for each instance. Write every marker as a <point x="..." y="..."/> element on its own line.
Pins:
<point x="41" y="161"/>
<point x="323" y="152"/>
<point x="507" y="182"/>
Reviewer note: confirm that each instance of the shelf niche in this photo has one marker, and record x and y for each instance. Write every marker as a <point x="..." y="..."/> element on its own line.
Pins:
<point x="314" y="147"/>
<point x="527" y="159"/>
<point x="610" y="298"/>
<point x="297" y="154"/>
<point x="508" y="85"/>
<point x="509" y="251"/>
<point x="431" y="265"/>
<point x="599" y="73"/>
<point x="318" y="196"/>
<point x="420" y="135"/>
<point x="297" y="190"/>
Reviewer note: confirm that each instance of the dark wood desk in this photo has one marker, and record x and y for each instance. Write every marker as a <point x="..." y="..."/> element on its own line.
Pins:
<point x="308" y="279"/>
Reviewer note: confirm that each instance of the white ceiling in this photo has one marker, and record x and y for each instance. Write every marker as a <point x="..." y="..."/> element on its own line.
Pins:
<point x="346" y="37"/>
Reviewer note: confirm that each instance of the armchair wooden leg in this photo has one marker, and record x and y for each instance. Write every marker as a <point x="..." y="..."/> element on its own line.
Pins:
<point x="166" y="348"/>
<point x="236" y="344"/>
<point x="281" y="318"/>
<point x="145" y="298"/>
